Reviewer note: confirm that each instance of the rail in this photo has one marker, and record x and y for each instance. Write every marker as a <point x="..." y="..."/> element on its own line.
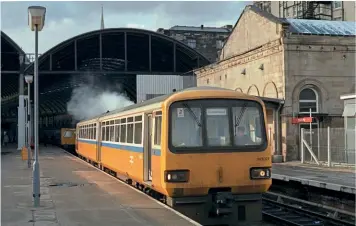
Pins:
<point x="281" y="209"/>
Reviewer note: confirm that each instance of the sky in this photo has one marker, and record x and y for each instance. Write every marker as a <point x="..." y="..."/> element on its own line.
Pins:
<point x="67" y="19"/>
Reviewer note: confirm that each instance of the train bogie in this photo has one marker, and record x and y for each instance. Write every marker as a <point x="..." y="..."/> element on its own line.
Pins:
<point x="203" y="150"/>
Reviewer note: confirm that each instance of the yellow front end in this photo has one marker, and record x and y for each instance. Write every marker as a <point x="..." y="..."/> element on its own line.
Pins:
<point x="211" y="171"/>
<point x="68" y="136"/>
<point x="216" y="156"/>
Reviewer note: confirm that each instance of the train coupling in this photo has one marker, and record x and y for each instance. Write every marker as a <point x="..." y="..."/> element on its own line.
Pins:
<point x="222" y="203"/>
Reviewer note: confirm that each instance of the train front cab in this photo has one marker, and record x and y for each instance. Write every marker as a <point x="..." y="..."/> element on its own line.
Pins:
<point x="210" y="175"/>
<point x="68" y="138"/>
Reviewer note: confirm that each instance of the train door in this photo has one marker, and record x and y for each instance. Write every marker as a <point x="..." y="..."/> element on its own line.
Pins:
<point x="148" y="148"/>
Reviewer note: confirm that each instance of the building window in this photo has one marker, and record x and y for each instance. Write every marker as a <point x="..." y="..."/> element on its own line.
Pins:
<point x="219" y="44"/>
<point x="337" y="4"/>
<point x="294" y="11"/>
<point x="192" y="43"/>
<point x="339" y="18"/>
<point x="308" y="99"/>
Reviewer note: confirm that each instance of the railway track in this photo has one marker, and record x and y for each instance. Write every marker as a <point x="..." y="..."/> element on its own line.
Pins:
<point x="284" y="210"/>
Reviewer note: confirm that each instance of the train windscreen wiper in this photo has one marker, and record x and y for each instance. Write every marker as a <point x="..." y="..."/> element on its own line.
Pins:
<point x="192" y="114"/>
<point x="240" y="115"/>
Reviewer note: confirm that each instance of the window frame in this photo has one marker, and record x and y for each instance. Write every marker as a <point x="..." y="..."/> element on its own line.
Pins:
<point x="122" y="121"/>
<point x="216" y="149"/>
<point x="156" y="114"/>
<point x="337" y="4"/>
<point x="316" y="101"/>
<point x="192" y="43"/>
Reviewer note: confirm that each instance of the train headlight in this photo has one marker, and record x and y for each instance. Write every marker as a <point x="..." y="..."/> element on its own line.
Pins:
<point x="176" y="176"/>
<point x="260" y="173"/>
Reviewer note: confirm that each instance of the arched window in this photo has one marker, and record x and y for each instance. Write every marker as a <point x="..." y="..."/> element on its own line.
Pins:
<point x="308" y="99"/>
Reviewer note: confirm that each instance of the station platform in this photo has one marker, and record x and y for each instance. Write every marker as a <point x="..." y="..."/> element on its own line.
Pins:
<point x="337" y="179"/>
<point x="74" y="193"/>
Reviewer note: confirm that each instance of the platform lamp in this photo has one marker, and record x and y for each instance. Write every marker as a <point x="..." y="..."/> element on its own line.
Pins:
<point x="36" y="21"/>
<point x="29" y="80"/>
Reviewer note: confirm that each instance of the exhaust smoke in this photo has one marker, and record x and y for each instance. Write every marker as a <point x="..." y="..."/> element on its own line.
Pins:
<point x="89" y="100"/>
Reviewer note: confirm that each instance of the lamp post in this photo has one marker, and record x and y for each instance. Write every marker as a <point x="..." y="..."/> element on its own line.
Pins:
<point x="29" y="80"/>
<point x="36" y="20"/>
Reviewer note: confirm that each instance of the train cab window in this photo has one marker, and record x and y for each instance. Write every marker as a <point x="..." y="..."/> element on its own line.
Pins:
<point x="217" y="127"/>
<point x="158" y="128"/>
<point x="247" y="125"/>
<point x="186" y="127"/>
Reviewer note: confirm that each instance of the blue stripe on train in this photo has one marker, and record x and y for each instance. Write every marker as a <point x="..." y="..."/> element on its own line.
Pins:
<point x="156" y="152"/>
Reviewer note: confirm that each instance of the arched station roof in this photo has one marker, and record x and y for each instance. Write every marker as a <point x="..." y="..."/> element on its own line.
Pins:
<point x="10" y="67"/>
<point x="118" y="54"/>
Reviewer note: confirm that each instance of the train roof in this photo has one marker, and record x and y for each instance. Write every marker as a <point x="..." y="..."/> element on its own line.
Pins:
<point x="156" y="100"/>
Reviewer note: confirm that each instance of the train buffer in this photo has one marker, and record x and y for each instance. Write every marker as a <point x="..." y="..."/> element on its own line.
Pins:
<point x="75" y="193"/>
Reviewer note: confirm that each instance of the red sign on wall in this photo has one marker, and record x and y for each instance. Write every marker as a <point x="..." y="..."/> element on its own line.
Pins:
<point x="302" y="120"/>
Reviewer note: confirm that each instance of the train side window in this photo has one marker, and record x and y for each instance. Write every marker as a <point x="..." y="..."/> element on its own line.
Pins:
<point x="112" y="133"/>
<point x="138" y="118"/>
<point x="87" y="131"/>
<point x="94" y="134"/>
<point x="138" y="133"/>
<point x="107" y="133"/>
<point x="158" y="127"/>
<point x="123" y="133"/>
<point x="130" y="133"/>
<point x="117" y="133"/>
<point x="91" y="131"/>
<point x="103" y="133"/>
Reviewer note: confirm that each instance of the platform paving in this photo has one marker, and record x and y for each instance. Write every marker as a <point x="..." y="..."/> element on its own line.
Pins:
<point x="74" y="194"/>
<point x="330" y="178"/>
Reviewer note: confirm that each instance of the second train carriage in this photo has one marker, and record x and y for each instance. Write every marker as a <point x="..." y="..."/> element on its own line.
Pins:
<point x="204" y="149"/>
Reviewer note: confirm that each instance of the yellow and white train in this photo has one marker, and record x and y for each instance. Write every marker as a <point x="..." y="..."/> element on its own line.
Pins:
<point x="203" y="150"/>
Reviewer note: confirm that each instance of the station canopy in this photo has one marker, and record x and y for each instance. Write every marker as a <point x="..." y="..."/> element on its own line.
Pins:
<point x="110" y="56"/>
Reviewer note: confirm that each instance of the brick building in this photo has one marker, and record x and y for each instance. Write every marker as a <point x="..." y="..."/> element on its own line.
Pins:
<point x="308" y="64"/>
<point x="206" y="40"/>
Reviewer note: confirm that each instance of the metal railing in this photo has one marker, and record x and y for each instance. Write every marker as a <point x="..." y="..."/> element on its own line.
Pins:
<point x="328" y="146"/>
